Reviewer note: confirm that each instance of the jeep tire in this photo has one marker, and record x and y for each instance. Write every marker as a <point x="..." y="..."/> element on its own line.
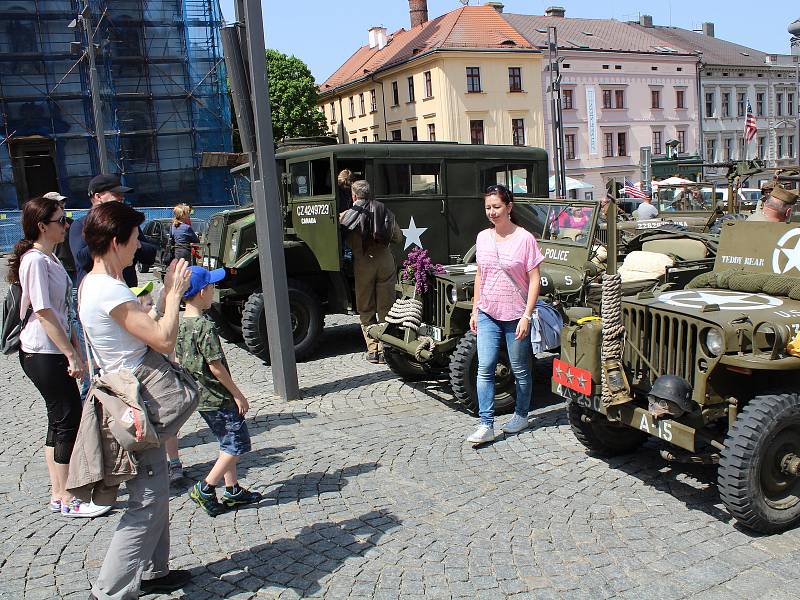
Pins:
<point x="404" y="367"/>
<point x="227" y="329"/>
<point x="307" y="318"/>
<point x="600" y="436"/>
<point x="752" y="485"/>
<point x="464" y="376"/>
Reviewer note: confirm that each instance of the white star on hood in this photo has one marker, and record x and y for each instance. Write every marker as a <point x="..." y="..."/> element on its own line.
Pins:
<point x="413" y="233"/>
<point x="793" y="256"/>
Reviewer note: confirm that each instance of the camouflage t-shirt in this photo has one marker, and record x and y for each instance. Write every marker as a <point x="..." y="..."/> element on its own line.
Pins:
<point x="198" y="344"/>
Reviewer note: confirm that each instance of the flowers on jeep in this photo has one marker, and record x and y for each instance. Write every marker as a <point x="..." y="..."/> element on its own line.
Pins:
<point x="418" y="268"/>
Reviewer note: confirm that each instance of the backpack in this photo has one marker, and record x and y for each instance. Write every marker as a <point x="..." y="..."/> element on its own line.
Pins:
<point x="12" y="325"/>
<point x="382" y="221"/>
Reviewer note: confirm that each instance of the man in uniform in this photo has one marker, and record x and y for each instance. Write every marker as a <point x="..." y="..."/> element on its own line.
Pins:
<point x="371" y="227"/>
<point x="777" y="206"/>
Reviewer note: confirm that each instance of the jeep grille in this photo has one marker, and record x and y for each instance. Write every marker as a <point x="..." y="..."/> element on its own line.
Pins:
<point x="214" y="235"/>
<point x="668" y="341"/>
<point x="434" y="304"/>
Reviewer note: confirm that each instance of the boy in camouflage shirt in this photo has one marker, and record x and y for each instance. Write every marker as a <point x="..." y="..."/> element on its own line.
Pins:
<point x="222" y="404"/>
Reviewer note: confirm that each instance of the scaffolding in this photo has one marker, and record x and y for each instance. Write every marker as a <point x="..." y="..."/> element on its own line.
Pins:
<point x="163" y="90"/>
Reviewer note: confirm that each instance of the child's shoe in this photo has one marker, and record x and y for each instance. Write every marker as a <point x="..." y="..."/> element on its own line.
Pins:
<point x="240" y="497"/>
<point x="207" y="501"/>
<point x="176" y="472"/>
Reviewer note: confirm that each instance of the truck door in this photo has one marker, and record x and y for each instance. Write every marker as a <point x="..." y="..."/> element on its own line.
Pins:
<point x="414" y="192"/>
<point x="312" y="200"/>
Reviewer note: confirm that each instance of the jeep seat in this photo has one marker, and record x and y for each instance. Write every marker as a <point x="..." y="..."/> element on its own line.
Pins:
<point x="682" y="249"/>
<point x="641" y="265"/>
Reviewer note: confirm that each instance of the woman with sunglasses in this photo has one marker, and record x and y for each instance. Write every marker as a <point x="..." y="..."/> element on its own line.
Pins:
<point x="49" y="349"/>
<point x="506" y="290"/>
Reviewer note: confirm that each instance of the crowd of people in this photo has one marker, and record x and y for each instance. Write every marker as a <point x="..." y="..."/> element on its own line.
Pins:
<point x="101" y="327"/>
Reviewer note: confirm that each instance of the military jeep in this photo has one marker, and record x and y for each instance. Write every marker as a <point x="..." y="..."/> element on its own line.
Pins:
<point x="434" y="189"/>
<point x="574" y="262"/>
<point x="706" y="371"/>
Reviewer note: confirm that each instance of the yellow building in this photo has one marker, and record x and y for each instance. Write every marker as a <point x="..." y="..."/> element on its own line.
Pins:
<point x="467" y="76"/>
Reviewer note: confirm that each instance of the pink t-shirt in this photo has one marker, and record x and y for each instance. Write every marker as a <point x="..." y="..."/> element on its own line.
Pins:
<point x="499" y="298"/>
<point x="45" y="284"/>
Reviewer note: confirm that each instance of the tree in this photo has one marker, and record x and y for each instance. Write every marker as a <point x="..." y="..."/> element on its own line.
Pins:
<point x="293" y="97"/>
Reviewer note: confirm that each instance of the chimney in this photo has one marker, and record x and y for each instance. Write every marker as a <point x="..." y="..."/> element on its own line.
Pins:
<point x="708" y="29"/>
<point x="498" y="6"/>
<point x="555" y="11"/>
<point x="377" y="37"/>
<point x="646" y="20"/>
<point x="418" y="10"/>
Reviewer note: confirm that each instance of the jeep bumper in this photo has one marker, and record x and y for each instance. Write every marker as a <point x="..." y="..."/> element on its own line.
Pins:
<point x="389" y="335"/>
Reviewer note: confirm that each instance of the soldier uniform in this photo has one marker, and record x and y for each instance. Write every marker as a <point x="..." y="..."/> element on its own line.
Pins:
<point x="375" y="277"/>
<point x="787" y="196"/>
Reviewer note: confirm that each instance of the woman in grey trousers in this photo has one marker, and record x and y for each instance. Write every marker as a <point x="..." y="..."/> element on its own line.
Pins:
<point x="121" y="333"/>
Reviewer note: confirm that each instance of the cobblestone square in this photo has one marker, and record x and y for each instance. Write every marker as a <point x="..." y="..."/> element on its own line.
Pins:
<point x="371" y="492"/>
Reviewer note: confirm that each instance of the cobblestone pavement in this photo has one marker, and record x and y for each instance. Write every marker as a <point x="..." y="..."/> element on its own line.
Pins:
<point x="371" y="492"/>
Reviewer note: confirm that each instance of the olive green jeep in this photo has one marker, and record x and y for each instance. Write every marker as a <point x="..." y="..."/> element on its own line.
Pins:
<point x="705" y="370"/>
<point x="571" y="236"/>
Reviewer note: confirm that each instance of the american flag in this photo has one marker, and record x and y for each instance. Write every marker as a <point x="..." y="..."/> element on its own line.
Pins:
<point x="750" y="128"/>
<point x="631" y="190"/>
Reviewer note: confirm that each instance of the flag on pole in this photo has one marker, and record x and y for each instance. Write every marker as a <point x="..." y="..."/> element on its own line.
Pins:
<point x="631" y="190"/>
<point x="750" y="128"/>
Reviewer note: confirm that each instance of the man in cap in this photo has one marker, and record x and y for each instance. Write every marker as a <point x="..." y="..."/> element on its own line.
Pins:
<point x="106" y="188"/>
<point x="777" y="207"/>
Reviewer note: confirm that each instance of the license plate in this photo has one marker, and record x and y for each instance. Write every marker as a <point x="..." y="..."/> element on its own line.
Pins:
<point x="431" y="331"/>
<point x="571" y="377"/>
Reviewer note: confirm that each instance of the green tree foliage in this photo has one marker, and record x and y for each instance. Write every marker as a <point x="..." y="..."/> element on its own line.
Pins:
<point x="293" y="97"/>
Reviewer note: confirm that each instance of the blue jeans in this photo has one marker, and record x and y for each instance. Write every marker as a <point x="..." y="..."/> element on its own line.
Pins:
<point x="490" y="335"/>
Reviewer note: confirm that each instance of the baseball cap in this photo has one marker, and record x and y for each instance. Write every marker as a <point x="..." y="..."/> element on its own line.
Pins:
<point x="54" y="196"/>
<point x="141" y="290"/>
<point x="200" y="278"/>
<point x="107" y="183"/>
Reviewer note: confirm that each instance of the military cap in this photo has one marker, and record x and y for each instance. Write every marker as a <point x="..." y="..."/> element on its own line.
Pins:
<point x="766" y="187"/>
<point x="784" y="195"/>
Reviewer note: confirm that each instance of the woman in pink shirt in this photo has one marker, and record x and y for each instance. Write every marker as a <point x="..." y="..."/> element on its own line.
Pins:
<point x="49" y="350"/>
<point x="506" y="290"/>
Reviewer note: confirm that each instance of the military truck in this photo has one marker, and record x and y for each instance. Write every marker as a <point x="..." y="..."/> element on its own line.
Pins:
<point x="434" y="189"/>
<point x="706" y="371"/>
<point x="570" y="280"/>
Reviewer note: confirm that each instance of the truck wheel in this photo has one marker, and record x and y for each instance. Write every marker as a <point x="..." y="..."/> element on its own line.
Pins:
<point x="600" y="436"/>
<point x="308" y="322"/>
<point x="403" y="366"/>
<point x="464" y="376"/>
<point x="225" y="328"/>
<point x="755" y="477"/>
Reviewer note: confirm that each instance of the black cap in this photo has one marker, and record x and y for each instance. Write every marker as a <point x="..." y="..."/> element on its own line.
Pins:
<point x="107" y="183"/>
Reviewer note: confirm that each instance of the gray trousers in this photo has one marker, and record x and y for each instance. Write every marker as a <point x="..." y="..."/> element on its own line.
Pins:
<point x="140" y="546"/>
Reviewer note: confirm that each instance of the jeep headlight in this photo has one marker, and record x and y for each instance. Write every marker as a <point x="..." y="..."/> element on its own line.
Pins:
<point x="454" y="294"/>
<point x="714" y="342"/>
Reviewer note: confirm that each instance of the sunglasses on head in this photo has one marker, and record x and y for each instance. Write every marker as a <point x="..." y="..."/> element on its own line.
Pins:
<point x="62" y="220"/>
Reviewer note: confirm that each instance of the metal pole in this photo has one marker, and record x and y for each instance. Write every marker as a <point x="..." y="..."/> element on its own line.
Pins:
<point x="797" y="112"/>
<point x="94" y="86"/>
<point x="559" y="170"/>
<point x="266" y="200"/>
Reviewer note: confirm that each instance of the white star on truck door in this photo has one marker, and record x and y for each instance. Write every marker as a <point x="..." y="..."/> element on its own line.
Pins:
<point x="412" y="233"/>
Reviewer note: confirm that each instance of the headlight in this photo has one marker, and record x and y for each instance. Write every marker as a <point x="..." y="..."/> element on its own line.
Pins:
<point x="714" y="342"/>
<point x="454" y="294"/>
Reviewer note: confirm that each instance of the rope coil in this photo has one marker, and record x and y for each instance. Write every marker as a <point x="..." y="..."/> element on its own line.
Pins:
<point x="406" y="312"/>
<point x="613" y="330"/>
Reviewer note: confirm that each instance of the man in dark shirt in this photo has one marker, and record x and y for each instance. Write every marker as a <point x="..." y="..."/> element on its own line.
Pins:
<point x="106" y="188"/>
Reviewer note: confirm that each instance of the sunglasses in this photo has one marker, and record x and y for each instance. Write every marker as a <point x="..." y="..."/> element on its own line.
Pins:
<point x="62" y="220"/>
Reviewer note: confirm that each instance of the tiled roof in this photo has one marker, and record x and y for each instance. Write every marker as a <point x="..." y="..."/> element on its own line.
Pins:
<point x="715" y="50"/>
<point x="469" y="27"/>
<point x="591" y="34"/>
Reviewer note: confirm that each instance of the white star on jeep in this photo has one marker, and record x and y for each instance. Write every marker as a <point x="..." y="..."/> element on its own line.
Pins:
<point x="709" y="298"/>
<point x="793" y="254"/>
<point x="412" y="234"/>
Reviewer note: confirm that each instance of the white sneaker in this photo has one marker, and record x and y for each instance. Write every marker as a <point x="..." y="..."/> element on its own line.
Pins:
<point x="516" y="424"/>
<point x="482" y="435"/>
<point x="86" y="510"/>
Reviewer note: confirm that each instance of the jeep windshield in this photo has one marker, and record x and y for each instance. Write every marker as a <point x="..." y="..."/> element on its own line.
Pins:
<point x="568" y="224"/>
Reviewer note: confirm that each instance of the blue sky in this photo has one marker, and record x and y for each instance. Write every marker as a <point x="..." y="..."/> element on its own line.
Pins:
<point x="324" y="34"/>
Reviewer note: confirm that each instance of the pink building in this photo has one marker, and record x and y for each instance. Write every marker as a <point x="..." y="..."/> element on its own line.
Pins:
<point x="622" y="88"/>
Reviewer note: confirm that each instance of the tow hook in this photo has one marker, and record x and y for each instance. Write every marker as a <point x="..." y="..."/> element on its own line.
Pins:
<point x="790" y="464"/>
